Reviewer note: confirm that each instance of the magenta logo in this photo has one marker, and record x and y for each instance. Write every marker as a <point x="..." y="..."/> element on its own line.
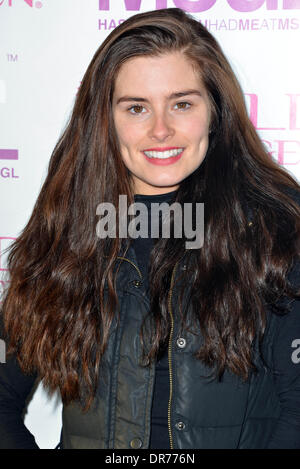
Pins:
<point x="204" y="5"/>
<point x="9" y="154"/>
<point x="30" y="3"/>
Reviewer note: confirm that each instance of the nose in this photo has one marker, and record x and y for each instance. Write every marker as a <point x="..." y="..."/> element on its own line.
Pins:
<point x="161" y="128"/>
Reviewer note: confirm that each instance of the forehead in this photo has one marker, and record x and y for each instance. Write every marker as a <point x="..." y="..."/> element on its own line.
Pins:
<point x="157" y="75"/>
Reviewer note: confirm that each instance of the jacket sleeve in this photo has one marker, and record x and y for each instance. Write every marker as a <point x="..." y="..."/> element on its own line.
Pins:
<point x="286" y="363"/>
<point x="15" y="387"/>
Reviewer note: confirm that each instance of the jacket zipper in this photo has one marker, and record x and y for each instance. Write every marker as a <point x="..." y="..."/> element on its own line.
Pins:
<point x="133" y="264"/>
<point x="170" y="355"/>
<point x="169" y="344"/>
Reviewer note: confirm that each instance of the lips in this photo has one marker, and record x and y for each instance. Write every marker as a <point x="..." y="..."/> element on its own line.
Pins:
<point x="163" y="153"/>
<point x="162" y="148"/>
<point x="163" y="156"/>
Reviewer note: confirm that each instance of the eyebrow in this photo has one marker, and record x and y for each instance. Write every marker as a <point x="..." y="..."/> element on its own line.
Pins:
<point x="178" y="94"/>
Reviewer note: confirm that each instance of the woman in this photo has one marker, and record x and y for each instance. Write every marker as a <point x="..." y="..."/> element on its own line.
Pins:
<point x="195" y="352"/>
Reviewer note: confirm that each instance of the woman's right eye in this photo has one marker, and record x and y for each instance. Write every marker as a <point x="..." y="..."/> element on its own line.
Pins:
<point x="136" y="109"/>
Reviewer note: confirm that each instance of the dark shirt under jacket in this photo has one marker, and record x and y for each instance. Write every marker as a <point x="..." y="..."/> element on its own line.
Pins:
<point x="159" y="438"/>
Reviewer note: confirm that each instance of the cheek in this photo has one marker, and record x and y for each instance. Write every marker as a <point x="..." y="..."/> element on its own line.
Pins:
<point x="128" y="135"/>
<point x="196" y="128"/>
<point x="196" y="131"/>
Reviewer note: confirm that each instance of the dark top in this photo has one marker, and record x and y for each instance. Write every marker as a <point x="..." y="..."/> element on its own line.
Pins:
<point x="159" y="437"/>
<point x="15" y="386"/>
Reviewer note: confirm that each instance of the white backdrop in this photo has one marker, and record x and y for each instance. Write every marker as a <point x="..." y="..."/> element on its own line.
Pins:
<point x="45" y="48"/>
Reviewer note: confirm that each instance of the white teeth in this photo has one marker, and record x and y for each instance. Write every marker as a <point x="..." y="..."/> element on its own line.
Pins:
<point x="163" y="154"/>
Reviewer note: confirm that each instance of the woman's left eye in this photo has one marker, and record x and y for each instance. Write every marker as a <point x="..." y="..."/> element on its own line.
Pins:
<point x="183" y="105"/>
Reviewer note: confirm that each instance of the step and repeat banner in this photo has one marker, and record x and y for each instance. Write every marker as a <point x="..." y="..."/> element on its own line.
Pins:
<point x="45" y="48"/>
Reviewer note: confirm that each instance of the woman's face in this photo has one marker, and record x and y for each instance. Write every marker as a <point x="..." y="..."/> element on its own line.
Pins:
<point x="161" y="113"/>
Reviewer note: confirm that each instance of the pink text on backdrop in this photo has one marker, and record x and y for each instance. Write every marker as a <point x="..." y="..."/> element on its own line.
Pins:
<point x="204" y="5"/>
<point x="8" y="173"/>
<point x="9" y="154"/>
<point x="292" y="122"/>
<point x="228" y="24"/>
<point x="11" y="2"/>
<point x="280" y="149"/>
<point x="286" y="152"/>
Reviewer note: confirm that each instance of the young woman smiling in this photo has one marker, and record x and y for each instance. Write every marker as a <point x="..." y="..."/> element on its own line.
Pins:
<point x="164" y="131"/>
<point x="150" y="344"/>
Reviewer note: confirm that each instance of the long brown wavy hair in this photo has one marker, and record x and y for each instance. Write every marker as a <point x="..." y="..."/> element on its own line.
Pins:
<point x="54" y="311"/>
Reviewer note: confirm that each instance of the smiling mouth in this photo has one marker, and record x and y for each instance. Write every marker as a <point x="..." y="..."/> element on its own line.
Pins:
<point x="163" y="155"/>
